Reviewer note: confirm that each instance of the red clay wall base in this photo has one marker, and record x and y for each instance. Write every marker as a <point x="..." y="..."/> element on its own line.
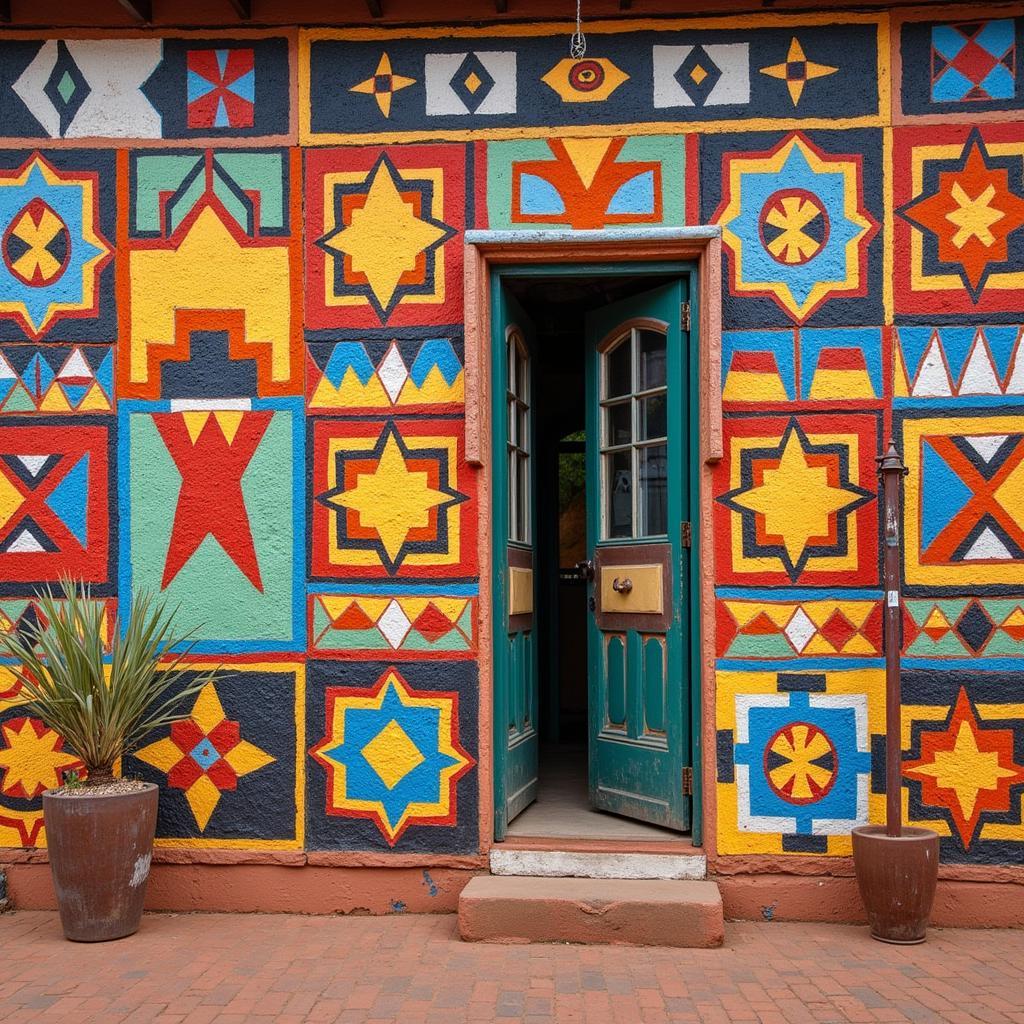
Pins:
<point x="958" y="904"/>
<point x="270" y="889"/>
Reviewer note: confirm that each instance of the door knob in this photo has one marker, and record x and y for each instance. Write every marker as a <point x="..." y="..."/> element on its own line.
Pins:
<point x="585" y="569"/>
<point x="622" y="586"/>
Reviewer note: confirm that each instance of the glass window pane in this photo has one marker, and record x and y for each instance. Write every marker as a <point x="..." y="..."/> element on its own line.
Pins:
<point x="652" y="360"/>
<point x="513" y="495"/>
<point x="618" y="424"/>
<point x="513" y="423"/>
<point x="524" y="498"/>
<point x="618" y="484"/>
<point x="524" y="428"/>
<point x="521" y="383"/>
<point x="653" y="490"/>
<point x="618" y="369"/>
<point x="513" y="353"/>
<point x="653" y="417"/>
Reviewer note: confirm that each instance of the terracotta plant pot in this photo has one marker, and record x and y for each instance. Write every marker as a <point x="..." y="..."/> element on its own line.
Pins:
<point x="100" y="847"/>
<point x="896" y="876"/>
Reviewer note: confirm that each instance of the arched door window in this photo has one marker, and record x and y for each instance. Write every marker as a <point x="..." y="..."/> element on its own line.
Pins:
<point x="634" y="431"/>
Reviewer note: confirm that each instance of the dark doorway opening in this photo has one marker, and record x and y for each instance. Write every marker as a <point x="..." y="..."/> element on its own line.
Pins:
<point x="557" y="307"/>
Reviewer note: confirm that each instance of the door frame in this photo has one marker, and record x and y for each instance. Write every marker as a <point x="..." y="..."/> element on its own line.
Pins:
<point x="487" y="256"/>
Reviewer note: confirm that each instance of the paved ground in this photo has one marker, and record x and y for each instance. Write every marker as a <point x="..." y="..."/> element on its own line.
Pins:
<point x="413" y="970"/>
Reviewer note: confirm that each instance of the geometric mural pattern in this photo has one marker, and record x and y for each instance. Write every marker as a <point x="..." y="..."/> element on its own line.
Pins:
<point x="963" y="627"/>
<point x="53" y="251"/>
<point x="380" y="226"/>
<point x="390" y="498"/>
<point x="54" y="505"/>
<point x="393" y="625"/>
<point x="56" y="379"/>
<point x="762" y="537"/>
<point x="794" y="758"/>
<point x="794" y="225"/>
<point x="349" y="377"/>
<point x="586" y="183"/>
<point x="836" y="365"/>
<point x="963" y="762"/>
<point x="761" y="626"/>
<point x="959" y="196"/>
<point x="964" y="513"/>
<point x="232" y="371"/>
<point x="959" y="365"/>
<point x="392" y="754"/>
<point x="231" y="773"/>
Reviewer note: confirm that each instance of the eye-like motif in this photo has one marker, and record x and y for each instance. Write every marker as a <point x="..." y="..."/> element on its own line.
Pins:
<point x="585" y="81"/>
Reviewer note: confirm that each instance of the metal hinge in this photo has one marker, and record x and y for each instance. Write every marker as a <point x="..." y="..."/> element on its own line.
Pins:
<point x="687" y="781"/>
<point x="684" y="317"/>
<point x="686" y="534"/>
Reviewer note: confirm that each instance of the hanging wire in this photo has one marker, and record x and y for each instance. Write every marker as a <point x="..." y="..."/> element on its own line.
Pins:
<point x="578" y="42"/>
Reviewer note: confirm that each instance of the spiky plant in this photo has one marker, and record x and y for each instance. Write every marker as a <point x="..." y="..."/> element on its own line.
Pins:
<point x="102" y="709"/>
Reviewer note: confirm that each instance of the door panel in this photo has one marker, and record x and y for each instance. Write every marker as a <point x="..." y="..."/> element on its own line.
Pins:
<point x="638" y="497"/>
<point x="516" y="680"/>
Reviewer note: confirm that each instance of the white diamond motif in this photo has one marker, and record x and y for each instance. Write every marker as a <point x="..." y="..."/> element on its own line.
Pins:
<point x="394" y="624"/>
<point x="800" y="629"/>
<point x="393" y="373"/>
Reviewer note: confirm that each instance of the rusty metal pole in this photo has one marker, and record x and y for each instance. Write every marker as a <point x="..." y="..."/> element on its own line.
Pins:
<point x="891" y="471"/>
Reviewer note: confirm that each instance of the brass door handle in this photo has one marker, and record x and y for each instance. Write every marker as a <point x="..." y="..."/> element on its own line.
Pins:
<point x="623" y="587"/>
<point x="585" y="569"/>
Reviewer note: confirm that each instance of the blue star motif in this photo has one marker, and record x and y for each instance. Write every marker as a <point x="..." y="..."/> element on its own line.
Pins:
<point x="68" y="202"/>
<point x="422" y="784"/>
<point x="829" y="263"/>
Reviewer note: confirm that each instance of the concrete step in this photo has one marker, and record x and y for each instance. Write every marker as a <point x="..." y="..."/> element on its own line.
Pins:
<point x="634" y="912"/>
<point x="564" y="863"/>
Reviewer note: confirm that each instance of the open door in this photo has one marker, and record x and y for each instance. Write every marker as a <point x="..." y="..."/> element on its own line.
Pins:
<point x="516" y="679"/>
<point x="638" y="545"/>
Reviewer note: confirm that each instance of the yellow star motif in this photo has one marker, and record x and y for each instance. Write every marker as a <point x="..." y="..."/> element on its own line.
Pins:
<point x="383" y="84"/>
<point x="974" y="217"/>
<point x="796" y="499"/>
<point x="385" y="236"/>
<point x="176" y="755"/>
<point x="31" y="759"/>
<point x="392" y="500"/>
<point x="966" y="769"/>
<point x="796" y="70"/>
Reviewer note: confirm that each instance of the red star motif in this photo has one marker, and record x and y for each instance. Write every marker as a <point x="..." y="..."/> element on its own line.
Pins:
<point x="965" y="769"/>
<point x="971" y="213"/>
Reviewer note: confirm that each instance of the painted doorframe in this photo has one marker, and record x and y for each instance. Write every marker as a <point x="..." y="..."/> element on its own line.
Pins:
<point x="486" y="251"/>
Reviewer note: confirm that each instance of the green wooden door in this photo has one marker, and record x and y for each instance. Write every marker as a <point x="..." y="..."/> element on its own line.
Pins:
<point x="516" y="683"/>
<point x="638" y="484"/>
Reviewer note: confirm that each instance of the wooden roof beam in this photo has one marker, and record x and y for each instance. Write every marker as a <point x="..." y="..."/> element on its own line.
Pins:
<point x="376" y="8"/>
<point x="140" y="9"/>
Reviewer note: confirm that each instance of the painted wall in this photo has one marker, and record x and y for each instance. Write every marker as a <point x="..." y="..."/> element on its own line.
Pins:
<point x="231" y="370"/>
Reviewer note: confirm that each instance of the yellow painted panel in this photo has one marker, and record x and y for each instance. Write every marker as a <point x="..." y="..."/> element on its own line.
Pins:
<point x="645" y="598"/>
<point x="520" y="585"/>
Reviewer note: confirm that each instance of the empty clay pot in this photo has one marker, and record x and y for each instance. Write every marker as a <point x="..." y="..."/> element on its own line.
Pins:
<point x="100" y="847"/>
<point x="897" y="877"/>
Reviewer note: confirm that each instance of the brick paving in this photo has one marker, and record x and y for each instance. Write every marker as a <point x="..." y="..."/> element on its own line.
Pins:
<point x="226" y="968"/>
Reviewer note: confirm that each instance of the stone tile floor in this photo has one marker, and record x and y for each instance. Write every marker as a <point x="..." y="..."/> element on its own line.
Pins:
<point x="413" y="970"/>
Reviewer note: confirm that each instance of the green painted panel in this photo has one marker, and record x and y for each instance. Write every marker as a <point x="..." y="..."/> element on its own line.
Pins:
<point x="654" y="684"/>
<point x="615" y="681"/>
